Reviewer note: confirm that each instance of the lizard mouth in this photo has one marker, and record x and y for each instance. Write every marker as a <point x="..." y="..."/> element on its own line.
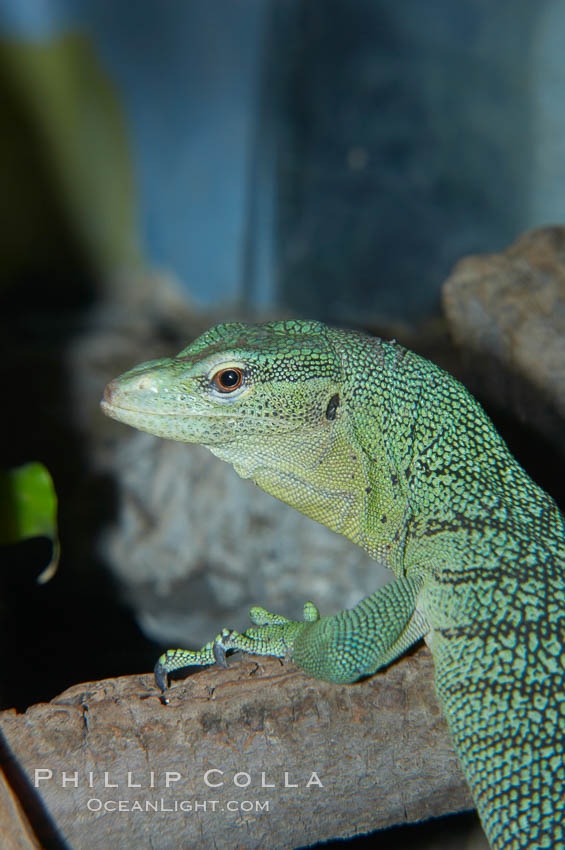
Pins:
<point x="120" y="406"/>
<point x="113" y="401"/>
<point x="116" y="400"/>
<point x="120" y="411"/>
<point x="123" y="405"/>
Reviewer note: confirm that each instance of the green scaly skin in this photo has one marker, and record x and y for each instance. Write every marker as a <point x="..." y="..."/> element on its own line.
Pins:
<point x="384" y="447"/>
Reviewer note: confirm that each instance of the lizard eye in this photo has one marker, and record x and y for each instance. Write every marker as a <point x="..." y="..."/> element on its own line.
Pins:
<point x="228" y="380"/>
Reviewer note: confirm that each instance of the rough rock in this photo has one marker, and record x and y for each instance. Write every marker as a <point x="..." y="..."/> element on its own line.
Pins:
<point x="507" y="311"/>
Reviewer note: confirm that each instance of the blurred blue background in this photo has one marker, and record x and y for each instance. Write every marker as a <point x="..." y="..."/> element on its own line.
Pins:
<point x="329" y="158"/>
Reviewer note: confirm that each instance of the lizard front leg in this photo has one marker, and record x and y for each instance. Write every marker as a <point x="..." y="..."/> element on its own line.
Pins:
<point x="339" y="648"/>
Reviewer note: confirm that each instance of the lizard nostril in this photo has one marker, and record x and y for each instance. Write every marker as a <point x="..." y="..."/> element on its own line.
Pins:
<point x="137" y="384"/>
<point x="145" y="384"/>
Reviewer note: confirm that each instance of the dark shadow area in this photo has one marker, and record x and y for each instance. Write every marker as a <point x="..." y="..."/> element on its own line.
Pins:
<point x="419" y="836"/>
<point x="40" y="821"/>
<point x="75" y="627"/>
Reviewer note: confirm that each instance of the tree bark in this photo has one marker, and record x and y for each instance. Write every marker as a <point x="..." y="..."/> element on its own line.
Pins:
<point x="255" y="756"/>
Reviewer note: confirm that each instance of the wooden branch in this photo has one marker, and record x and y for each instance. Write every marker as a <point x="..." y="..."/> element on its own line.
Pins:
<point x="255" y="756"/>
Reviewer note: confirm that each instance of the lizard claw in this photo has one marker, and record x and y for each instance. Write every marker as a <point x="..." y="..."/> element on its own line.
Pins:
<point x="219" y="653"/>
<point x="271" y="634"/>
<point x="161" y="676"/>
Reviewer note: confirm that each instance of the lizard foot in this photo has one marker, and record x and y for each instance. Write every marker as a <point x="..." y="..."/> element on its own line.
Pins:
<point x="271" y="634"/>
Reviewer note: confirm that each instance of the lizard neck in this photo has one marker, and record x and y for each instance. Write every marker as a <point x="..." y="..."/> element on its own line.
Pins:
<point x="458" y="500"/>
<point x="317" y="471"/>
<point x="326" y="474"/>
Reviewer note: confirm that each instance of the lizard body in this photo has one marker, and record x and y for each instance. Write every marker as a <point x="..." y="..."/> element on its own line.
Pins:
<point x="384" y="447"/>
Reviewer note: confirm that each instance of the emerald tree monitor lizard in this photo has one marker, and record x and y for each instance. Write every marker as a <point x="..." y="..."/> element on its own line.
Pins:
<point x="384" y="447"/>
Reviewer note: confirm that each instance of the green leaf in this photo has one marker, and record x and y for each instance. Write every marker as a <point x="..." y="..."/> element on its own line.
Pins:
<point x="28" y="508"/>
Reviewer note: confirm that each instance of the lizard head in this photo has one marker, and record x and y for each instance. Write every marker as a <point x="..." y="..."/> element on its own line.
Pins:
<point x="234" y="383"/>
<point x="273" y="400"/>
